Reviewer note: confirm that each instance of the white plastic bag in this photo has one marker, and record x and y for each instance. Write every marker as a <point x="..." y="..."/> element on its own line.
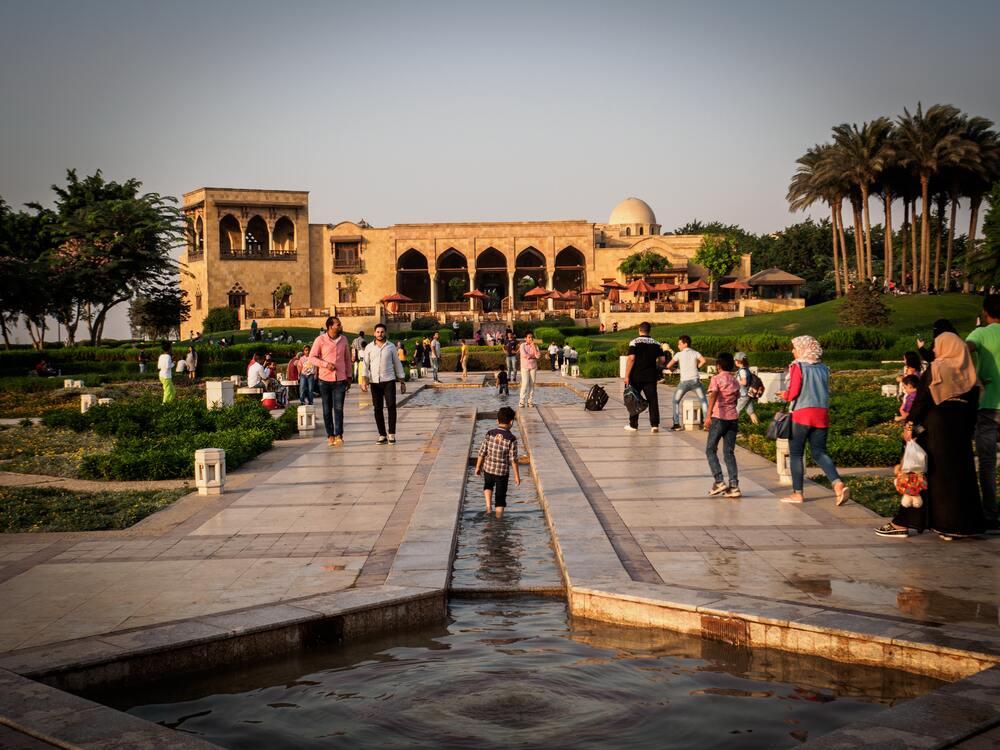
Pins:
<point x="914" y="459"/>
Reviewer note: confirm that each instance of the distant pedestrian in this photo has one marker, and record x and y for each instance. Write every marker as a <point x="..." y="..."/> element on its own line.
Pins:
<point x="497" y="456"/>
<point x="253" y="329"/>
<point x="464" y="359"/>
<point x="529" y="355"/>
<point x="307" y="377"/>
<point x="329" y="354"/>
<point x="418" y="355"/>
<point x="689" y="361"/>
<point x="357" y="349"/>
<point x="809" y="397"/>
<point x="984" y="343"/>
<point x="723" y="422"/>
<point x="746" y="402"/>
<point x="380" y="371"/>
<point x="553" y="355"/>
<point x="642" y="372"/>
<point x="165" y="366"/>
<point x="510" y="350"/>
<point x="614" y="327"/>
<point x="143" y="360"/>
<point x="435" y="355"/>
<point x="503" y="383"/>
<point x="192" y="363"/>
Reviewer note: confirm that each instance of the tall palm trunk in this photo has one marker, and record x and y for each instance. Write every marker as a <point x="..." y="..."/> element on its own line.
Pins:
<point x="868" y="231"/>
<point x="951" y="243"/>
<point x="836" y="250"/>
<point x="843" y="246"/>
<point x="970" y="243"/>
<point x="915" y="271"/>
<point x="937" y="242"/>
<point x="859" y="252"/>
<point x="925" y="231"/>
<point x="903" y="234"/>
<point x="888" y="271"/>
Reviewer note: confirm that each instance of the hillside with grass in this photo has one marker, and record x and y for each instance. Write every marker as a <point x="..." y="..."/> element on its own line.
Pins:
<point x="911" y="315"/>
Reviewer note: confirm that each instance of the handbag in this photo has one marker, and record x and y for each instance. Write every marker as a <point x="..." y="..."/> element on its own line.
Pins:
<point x="634" y="402"/>
<point x="780" y="427"/>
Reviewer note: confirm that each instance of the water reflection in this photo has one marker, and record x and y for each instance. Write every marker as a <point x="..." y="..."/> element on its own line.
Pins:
<point x="517" y="673"/>
<point x="487" y="397"/>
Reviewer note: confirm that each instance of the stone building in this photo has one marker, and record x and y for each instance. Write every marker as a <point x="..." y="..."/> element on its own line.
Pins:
<point x="247" y="246"/>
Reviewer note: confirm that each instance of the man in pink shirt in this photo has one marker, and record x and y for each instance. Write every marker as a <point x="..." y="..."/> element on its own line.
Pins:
<point x="529" y="369"/>
<point x="722" y="423"/>
<point x="331" y="356"/>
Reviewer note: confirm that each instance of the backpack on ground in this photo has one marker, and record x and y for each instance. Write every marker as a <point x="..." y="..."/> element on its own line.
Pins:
<point x="597" y="399"/>
<point x="755" y="386"/>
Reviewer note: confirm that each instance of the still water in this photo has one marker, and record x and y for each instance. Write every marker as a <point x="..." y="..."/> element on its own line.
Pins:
<point x="520" y="673"/>
<point x="487" y="398"/>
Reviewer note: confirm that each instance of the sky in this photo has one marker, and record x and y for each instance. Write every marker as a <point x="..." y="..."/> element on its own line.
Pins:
<point x="469" y="111"/>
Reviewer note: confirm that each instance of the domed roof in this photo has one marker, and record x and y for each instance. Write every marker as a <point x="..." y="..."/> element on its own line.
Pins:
<point x="632" y="211"/>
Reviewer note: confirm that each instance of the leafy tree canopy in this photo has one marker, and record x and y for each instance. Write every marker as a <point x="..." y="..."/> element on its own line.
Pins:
<point x="158" y="312"/>
<point x="220" y="319"/>
<point x="644" y="263"/>
<point x="984" y="263"/>
<point x="863" y="307"/>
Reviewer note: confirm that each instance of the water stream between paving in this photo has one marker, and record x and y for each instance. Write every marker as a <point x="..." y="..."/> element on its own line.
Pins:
<point x="519" y="671"/>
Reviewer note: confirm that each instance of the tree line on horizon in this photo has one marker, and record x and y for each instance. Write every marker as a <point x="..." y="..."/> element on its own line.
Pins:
<point x="932" y="159"/>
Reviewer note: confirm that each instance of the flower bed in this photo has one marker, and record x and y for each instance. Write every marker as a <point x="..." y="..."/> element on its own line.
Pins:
<point x="44" y="450"/>
<point x="41" y="509"/>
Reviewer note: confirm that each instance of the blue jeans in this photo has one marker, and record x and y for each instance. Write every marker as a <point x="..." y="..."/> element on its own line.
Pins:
<point x="745" y="402"/>
<point x="987" y="428"/>
<point x="332" y="395"/>
<point x="684" y="387"/>
<point x="306" y="384"/>
<point x="435" y="366"/>
<point x="797" y="449"/>
<point x="724" y="430"/>
<point x="512" y="367"/>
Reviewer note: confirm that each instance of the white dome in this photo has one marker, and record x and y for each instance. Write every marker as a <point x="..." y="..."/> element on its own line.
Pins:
<point x="632" y="211"/>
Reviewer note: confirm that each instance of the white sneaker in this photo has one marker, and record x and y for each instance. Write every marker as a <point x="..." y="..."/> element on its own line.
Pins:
<point x="718" y="488"/>
<point x="392" y="438"/>
<point x="520" y="404"/>
<point x="630" y="428"/>
<point x="654" y="429"/>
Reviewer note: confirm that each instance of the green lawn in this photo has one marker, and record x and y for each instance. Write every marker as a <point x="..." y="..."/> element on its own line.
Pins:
<point x="37" y="509"/>
<point x="910" y="315"/>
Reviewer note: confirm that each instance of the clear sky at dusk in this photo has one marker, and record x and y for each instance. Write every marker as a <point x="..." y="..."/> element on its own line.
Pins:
<point x="468" y="111"/>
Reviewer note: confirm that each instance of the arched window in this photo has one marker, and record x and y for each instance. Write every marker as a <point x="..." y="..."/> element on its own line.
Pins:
<point x="284" y="235"/>
<point x="452" y="276"/>
<point x="229" y="235"/>
<point x="529" y="272"/>
<point x="412" y="277"/>
<point x="640" y="230"/>
<point x="257" y="240"/>
<point x="628" y="231"/>
<point x="569" y="270"/>
<point x="237" y="296"/>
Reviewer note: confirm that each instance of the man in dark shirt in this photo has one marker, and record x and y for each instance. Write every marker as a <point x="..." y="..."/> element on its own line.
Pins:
<point x="642" y="372"/>
<point x="510" y="349"/>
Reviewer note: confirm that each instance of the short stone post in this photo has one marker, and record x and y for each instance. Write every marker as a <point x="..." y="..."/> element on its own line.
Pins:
<point x="219" y="393"/>
<point x="87" y="401"/>
<point x="692" y="414"/>
<point x="622" y="364"/>
<point x="574" y="371"/>
<point x="711" y="369"/>
<point x="774" y="383"/>
<point x="889" y="391"/>
<point x="210" y="470"/>
<point x="783" y="462"/>
<point x="414" y="373"/>
<point x="105" y="401"/>
<point x="236" y="380"/>
<point x="306" y="417"/>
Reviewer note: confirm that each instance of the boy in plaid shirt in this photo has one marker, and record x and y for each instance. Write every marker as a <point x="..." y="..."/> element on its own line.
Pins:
<point x="497" y="454"/>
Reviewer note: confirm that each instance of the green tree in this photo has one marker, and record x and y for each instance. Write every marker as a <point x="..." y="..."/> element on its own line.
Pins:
<point x="863" y="307"/>
<point x="456" y="288"/>
<point x="984" y="262"/>
<point x="718" y="255"/>
<point x="644" y="263"/>
<point x="220" y="319"/>
<point x="281" y="294"/>
<point x="159" y="311"/>
<point x="26" y="286"/>
<point x="116" y="240"/>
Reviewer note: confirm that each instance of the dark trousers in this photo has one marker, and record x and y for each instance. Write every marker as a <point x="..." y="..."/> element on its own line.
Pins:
<point x="384" y="394"/>
<point x="648" y="391"/>
<point x="332" y="395"/>
<point x="724" y="430"/>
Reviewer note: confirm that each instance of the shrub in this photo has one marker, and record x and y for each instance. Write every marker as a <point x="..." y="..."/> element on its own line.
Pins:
<point x="763" y="342"/>
<point x="599" y="369"/>
<point x="580" y="343"/>
<point x="481" y="358"/>
<point x="863" y="306"/>
<point x="855" y="338"/>
<point x="446" y="336"/>
<point x="425" y="324"/>
<point x="221" y="319"/>
<point x="548" y="335"/>
<point x="864" y="450"/>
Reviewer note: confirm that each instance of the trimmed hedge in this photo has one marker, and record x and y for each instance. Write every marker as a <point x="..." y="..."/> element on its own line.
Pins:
<point x="481" y="358"/>
<point x="580" y="343"/>
<point x="855" y="338"/>
<point x="592" y="369"/>
<point x="548" y="335"/>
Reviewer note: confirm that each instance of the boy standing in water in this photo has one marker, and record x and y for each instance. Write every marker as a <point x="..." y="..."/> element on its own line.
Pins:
<point x="497" y="454"/>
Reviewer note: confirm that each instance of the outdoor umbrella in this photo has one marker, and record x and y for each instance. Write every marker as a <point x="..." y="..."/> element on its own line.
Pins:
<point x="613" y="287"/>
<point x="739" y="285"/>
<point x="475" y="294"/>
<point x="697" y="285"/>
<point x="640" y="286"/>
<point x="391" y="301"/>
<point x="592" y="292"/>
<point x="570" y="294"/>
<point x="538" y="293"/>
<point x="664" y="286"/>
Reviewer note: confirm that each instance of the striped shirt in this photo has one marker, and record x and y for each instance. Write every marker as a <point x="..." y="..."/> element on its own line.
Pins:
<point x="498" y="451"/>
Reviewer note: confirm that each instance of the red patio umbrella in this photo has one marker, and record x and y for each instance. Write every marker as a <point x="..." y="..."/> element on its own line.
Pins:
<point x="614" y="285"/>
<point x="665" y="286"/>
<point x="592" y="292"/>
<point x="396" y="297"/>
<point x="570" y="294"/>
<point x="474" y="294"/>
<point x="698" y="285"/>
<point x="539" y="292"/>
<point x="738" y="285"/>
<point x="640" y="286"/>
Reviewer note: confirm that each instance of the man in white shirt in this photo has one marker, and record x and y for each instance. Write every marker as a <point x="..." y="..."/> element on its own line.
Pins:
<point x="553" y="354"/>
<point x="436" y="355"/>
<point x="689" y="362"/>
<point x="380" y="371"/>
<point x="256" y="374"/>
<point x="165" y="365"/>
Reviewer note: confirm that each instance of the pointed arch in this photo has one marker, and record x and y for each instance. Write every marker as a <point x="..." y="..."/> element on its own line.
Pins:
<point x="237" y="295"/>
<point x="230" y="235"/>
<point x="452" y="276"/>
<point x="258" y="241"/>
<point x="570" y="270"/>
<point x="412" y="276"/>
<point x="284" y="235"/>
<point x="529" y="272"/>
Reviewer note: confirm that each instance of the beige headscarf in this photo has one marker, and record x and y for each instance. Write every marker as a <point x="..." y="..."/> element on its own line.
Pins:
<point x="952" y="371"/>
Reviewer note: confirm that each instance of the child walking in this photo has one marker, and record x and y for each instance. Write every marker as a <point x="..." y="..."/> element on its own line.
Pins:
<point x="497" y="455"/>
<point x="503" y="387"/>
<point x="722" y="423"/>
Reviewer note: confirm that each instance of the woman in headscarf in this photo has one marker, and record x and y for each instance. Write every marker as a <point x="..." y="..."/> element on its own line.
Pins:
<point x="808" y="395"/>
<point x="941" y="325"/>
<point x="942" y="420"/>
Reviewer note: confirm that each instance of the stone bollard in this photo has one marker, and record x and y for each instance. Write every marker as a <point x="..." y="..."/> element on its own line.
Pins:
<point x="782" y="462"/>
<point x="711" y="369"/>
<point x="87" y="401"/>
<point x="105" y="401"/>
<point x="306" y="420"/>
<point x="574" y="371"/>
<point x="774" y="382"/>
<point x="414" y="373"/>
<point x="889" y="391"/>
<point x="219" y="393"/>
<point x="692" y="414"/>
<point x="72" y="384"/>
<point x="236" y="380"/>
<point x="210" y="470"/>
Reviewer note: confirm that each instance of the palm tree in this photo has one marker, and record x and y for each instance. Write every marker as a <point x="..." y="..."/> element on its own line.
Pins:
<point x="979" y="177"/>
<point x="928" y="143"/>
<point x="814" y="181"/>
<point x="889" y="186"/>
<point x="863" y="154"/>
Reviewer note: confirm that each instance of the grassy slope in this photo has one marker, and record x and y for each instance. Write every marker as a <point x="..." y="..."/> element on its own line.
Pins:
<point x="910" y="315"/>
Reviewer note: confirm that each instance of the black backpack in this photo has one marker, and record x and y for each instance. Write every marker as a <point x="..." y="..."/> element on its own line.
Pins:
<point x="755" y="386"/>
<point x="597" y="399"/>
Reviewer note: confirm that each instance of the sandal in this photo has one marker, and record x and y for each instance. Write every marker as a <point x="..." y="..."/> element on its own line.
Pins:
<point x="794" y="499"/>
<point x="844" y="495"/>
